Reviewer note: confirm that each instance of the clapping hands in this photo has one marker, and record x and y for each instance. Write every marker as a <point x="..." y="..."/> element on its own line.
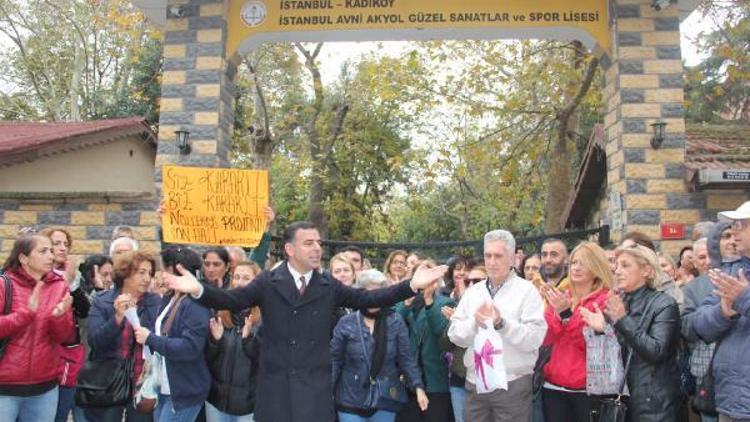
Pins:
<point x="728" y="289"/>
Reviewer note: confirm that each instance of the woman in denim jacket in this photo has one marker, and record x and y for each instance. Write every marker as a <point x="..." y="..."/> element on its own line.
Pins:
<point x="386" y="352"/>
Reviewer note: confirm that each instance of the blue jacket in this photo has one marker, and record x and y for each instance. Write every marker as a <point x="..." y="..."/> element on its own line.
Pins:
<point x="104" y="336"/>
<point x="183" y="351"/>
<point x="350" y="363"/>
<point x="731" y="365"/>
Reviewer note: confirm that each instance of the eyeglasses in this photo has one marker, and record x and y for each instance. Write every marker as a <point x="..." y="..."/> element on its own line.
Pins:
<point x="471" y="281"/>
<point x="27" y="230"/>
<point x="739" y="224"/>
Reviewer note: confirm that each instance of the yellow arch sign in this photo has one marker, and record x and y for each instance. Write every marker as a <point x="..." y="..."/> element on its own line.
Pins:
<point x="252" y="22"/>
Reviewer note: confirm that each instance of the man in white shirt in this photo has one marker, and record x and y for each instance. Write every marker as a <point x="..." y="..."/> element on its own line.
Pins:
<point x="517" y="312"/>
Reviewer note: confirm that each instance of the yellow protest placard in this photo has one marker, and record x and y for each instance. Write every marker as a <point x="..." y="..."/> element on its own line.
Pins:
<point x="214" y="206"/>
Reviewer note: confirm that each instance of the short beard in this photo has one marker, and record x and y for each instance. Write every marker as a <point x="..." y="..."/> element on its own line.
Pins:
<point x="555" y="274"/>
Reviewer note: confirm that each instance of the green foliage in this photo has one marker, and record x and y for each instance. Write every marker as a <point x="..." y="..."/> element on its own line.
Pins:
<point x="78" y="60"/>
<point x="719" y="87"/>
<point x="489" y="116"/>
<point x="443" y="142"/>
<point x="366" y="157"/>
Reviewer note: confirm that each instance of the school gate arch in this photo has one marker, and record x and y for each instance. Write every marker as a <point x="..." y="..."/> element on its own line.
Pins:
<point x="638" y="46"/>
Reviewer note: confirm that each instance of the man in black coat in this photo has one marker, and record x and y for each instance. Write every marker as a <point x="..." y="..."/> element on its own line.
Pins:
<point x="297" y="303"/>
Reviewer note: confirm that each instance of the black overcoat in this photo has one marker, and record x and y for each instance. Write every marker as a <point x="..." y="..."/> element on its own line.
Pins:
<point x="294" y="375"/>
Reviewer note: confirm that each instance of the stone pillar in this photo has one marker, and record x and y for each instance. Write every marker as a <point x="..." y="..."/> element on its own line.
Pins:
<point x="644" y="84"/>
<point x="196" y="89"/>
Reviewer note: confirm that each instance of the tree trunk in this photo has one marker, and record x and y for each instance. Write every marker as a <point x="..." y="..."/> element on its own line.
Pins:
<point x="75" y="84"/>
<point x="259" y="137"/>
<point x="315" y="213"/>
<point x="558" y="181"/>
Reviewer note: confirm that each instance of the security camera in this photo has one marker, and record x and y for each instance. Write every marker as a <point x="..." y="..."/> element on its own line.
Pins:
<point x="179" y="11"/>
<point x="660" y="4"/>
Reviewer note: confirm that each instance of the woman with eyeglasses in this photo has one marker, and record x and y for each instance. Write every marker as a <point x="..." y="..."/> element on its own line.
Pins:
<point x="455" y="354"/>
<point x="395" y="267"/>
<point x="530" y="266"/>
<point x="232" y="356"/>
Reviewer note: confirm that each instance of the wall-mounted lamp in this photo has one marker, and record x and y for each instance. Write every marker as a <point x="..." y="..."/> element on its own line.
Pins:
<point x="183" y="141"/>
<point x="658" y="137"/>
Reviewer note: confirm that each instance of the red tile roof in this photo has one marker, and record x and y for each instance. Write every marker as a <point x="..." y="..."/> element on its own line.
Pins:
<point x="20" y="137"/>
<point x="724" y="147"/>
<point x="717" y="147"/>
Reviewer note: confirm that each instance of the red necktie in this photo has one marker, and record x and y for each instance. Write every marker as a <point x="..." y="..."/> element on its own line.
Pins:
<point x="302" y="286"/>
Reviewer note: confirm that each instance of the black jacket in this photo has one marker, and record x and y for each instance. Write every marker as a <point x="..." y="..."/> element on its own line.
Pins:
<point x="233" y="362"/>
<point x="651" y="331"/>
<point x="294" y="374"/>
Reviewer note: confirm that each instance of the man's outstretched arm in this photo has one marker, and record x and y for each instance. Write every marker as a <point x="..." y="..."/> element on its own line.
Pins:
<point x="380" y="298"/>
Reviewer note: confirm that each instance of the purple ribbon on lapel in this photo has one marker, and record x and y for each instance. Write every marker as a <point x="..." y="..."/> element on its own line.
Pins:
<point x="485" y="355"/>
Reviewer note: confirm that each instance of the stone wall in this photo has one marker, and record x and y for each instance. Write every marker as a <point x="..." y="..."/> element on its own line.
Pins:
<point x="89" y="222"/>
<point x="197" y="86"/>
<point x="644" y="84"/>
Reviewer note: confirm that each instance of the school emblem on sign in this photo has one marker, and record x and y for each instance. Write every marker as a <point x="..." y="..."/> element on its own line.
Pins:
<point x="253" y="13"/>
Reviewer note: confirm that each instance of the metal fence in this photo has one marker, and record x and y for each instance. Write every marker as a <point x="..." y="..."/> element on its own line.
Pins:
<point x="441" y="251"/>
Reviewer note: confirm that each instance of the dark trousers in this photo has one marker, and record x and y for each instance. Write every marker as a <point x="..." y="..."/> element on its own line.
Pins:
<point x="563" y="406"/>
<point x="440" y="409"/>
<point x="114" y="414"/>
<point x="65" y="403"/>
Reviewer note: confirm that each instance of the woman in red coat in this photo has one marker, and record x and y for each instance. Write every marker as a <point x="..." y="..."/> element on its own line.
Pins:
<point x="40" y="319"/>
<point x="564" y="392"/>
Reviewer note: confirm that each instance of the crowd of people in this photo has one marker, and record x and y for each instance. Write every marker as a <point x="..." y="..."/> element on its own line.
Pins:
<point x="226" y="335"/>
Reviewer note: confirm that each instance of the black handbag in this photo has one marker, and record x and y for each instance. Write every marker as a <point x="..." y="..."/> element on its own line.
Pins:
<point x="106" y="383"/>
<point x="7" y="304"/>
<point x="704" y="400"/>
<point x="613" y="409"/>
<point x="610" y="410"/>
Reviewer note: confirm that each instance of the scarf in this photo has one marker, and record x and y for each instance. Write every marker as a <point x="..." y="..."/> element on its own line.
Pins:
<point x="380" y="335"/>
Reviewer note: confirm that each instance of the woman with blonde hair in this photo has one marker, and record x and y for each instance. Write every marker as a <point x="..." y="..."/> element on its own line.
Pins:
<point x="647" y="323"/>
<point x="395" y="266"/>
<point x="342" y="269"/>
<point x="564" y="392"/>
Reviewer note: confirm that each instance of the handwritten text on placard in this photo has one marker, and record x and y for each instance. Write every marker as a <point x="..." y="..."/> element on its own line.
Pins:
<point x="214" y="206"/>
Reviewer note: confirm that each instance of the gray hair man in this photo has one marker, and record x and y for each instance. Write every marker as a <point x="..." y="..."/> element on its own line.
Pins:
<point x="121" y="245"/>
<point x="701" y="258"/>
<point x="517" y="313"/>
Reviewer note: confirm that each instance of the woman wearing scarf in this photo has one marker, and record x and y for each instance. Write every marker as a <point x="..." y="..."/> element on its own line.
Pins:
<point x="371" y="344"/>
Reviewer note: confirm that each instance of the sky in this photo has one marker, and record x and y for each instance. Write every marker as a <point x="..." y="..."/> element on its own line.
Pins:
<point x="334" y="54"/>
